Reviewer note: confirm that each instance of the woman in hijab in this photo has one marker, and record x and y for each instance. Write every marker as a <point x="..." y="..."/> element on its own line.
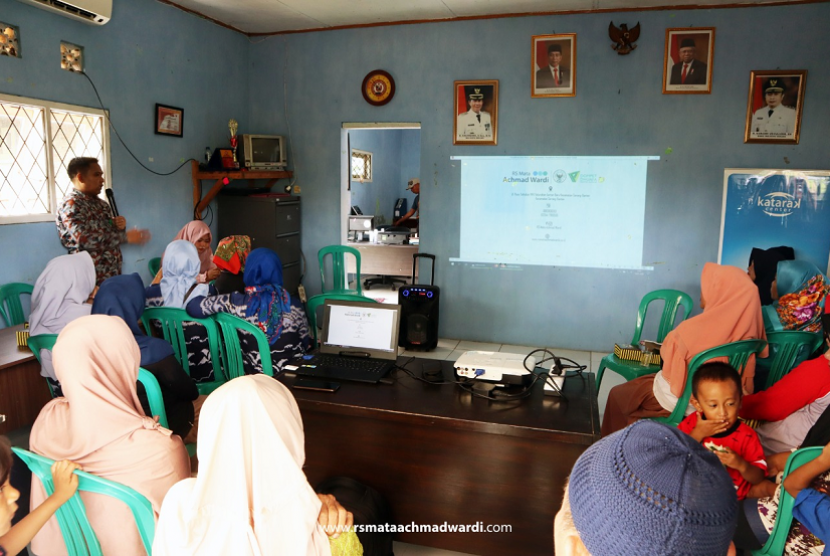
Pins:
<point x="251" y="496"/>
<point x="731" y="312"/>
<point x="123" y="296"/>
<point x="762" y="268"/>
<point x="177" y="287"/>
<point x="100" y="425"/>
<point x="61" y="294"/>
<point x="798" y="291"/>
<point x="230" y="257"/>
<point x="197" y="233"/>
<point x="267" y="305"/>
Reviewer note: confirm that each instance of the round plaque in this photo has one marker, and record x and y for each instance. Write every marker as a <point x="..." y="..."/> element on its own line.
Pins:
<point x="378" y="87"/>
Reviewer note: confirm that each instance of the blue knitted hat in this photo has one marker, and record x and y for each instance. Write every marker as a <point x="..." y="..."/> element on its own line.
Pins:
<point x="651" y="489"/>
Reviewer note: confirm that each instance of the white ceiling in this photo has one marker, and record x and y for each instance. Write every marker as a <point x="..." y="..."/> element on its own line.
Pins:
<point x="274" y="16"/>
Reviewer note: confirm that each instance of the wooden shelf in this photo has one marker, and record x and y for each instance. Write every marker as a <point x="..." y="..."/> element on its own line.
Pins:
<point x="223" y="178"/>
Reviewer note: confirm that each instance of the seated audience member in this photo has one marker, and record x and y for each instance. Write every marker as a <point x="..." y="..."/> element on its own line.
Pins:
<point x="811" y="507"/>
<point x="731" y="312"/>
<point x="267" y="305"/>
<point x="230" y="257"/>
<point x="763" y="264"/>
<point x="793" y="404"/>
<point x="716" y="397"/>
<point x="62" y="293"/>
<point x="100" y="425"/>
<point x="799" y="291"/>
<point x="252" y="426"/>
<point x="123" y="296"/>
<point x="197" y="233"/>
<point x="648" y="489"/>
<point x="177" y="287"/>
<point x="13" y="539"/>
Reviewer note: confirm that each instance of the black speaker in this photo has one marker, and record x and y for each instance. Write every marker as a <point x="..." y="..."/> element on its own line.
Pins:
<point x="419" y="312"/>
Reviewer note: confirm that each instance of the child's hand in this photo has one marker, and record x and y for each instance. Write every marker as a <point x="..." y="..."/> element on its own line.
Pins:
<point x="825" y="454"/>
<point x="729" y="458"/>
<point x="704" y="428"/>
<point x="66" y="482"/>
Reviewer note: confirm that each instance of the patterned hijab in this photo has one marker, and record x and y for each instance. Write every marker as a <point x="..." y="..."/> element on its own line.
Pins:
<point x="180" y="268"/>
<point x="231" y="253"/>
<point x="123" y="296"/>
<point x="193" y="232"/>
<point x="802" y="290"/>
<point x="266" y="298"/>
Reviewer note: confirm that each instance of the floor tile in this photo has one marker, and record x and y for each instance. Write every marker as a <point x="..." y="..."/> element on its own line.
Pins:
<point x="455" y="354"/>
<point x="467" y="345"/>
<point x="437" y="353"/>
<point x="447" y="343"/>
<point x="521" y="350"/>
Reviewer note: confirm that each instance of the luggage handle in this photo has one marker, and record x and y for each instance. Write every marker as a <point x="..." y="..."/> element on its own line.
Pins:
<point x="415" y="260"/>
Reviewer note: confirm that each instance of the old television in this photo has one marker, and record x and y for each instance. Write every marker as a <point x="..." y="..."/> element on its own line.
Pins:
<point x="263" y="152"/>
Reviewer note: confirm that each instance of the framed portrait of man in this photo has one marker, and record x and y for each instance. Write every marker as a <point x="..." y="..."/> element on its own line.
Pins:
<point x="553" y="66"/>
<point x="773" y="111"/>
<point x="476" y="112"/>
<point x="687" y="62"/>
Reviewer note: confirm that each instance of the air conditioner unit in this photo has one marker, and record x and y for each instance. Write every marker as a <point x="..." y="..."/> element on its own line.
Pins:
<point x="97" y="12"/>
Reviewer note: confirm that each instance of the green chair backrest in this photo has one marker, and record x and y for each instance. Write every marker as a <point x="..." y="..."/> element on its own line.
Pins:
<point x="39" y="342"/>
<point x="788" y="346"/>
<point x="339" y="282"/>
<point x="784" y="517"/>
<point x="154" y="265"/>
<point x="738" y="354"/>
<point x="77" y="532"/>
<point x="673" y="300"/>
<point x="153" y="390"/>
<point x="317" y="301"/>
<point x="11" y="310"/>
<point x="171" y="320"/>
<point x="232" y="349"/>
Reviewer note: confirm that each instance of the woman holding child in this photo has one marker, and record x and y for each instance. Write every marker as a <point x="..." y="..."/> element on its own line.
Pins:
<point x="731" y="312"/>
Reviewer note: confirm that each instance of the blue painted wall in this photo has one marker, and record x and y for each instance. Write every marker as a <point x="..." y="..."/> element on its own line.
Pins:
<point x="378" y="196"/>
<point x="148" y="53"/>
<point x="619" y="109"/>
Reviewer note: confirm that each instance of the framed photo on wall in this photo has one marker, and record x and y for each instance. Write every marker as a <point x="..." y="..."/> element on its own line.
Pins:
<point x="169" y="120"/>
<point x="476" y="112"/>
<point x="773" y="111"/>
<point x="553" y="66"/>
<point x="687" y="62"/>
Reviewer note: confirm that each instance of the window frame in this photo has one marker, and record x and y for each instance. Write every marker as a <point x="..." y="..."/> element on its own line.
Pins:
<point x="371" y="166"/>
<point x="47" y="106"/>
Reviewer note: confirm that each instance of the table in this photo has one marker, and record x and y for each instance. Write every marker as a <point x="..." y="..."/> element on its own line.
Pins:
<point x="383" y="260"/>
<point x="23" y="392"/>
<point x="223" y="178"/>
<point x="440" y="455"/>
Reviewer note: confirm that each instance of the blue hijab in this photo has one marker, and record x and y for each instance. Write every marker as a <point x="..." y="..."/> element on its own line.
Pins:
<point x="266" y="298"/>
<point x="802" y="292"/>
<point x="123" y="296"/>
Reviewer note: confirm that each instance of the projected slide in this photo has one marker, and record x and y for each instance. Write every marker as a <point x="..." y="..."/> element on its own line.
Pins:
<point x="554" y="211"/>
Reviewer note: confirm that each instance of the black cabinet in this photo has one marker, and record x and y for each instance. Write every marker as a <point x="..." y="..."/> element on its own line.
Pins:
<point x="271" y="221"/>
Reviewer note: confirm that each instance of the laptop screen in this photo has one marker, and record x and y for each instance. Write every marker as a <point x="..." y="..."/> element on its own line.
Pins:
<point x="356" y="326"/>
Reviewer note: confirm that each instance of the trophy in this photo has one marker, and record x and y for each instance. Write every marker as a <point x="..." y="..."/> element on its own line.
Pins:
<point x="233" y="125"/>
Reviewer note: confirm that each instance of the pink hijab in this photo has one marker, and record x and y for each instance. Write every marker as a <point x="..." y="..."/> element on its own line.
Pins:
<point x="193" y="232"/>
<point x="732" y="313"/>
<point x="100" y="425"/>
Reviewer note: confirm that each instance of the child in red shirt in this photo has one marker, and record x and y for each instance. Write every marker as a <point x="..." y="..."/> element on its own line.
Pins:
<point x="716" y="397"/>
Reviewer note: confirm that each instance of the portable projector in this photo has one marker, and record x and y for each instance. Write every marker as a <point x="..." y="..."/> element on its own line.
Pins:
<point x="495" y="366"/>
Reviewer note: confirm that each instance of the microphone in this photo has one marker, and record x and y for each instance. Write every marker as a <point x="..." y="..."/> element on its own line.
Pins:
<point x="111" y="199"/>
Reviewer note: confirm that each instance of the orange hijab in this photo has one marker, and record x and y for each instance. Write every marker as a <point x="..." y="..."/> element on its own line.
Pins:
<point x="100" y="425"/>
<point x="732" y="313"/>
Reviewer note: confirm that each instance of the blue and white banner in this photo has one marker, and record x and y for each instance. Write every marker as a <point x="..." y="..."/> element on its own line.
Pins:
<point x="768" y="208"/>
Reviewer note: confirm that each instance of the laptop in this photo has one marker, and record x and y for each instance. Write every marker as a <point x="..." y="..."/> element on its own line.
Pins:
<point x="359" y="342"/>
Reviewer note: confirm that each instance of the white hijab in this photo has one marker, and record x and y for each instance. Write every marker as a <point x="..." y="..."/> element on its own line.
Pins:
<point x="251" y="497"/>
<point x="180" y="268"/>
<point x="59" y="297"/>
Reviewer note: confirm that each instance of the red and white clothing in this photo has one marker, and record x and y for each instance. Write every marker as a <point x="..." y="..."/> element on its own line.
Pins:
<point x="742" y="440"/>
<point x="791" y="406"/>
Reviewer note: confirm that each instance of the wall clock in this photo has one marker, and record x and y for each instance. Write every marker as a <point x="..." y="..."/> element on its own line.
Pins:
<point x="378" y="87"/>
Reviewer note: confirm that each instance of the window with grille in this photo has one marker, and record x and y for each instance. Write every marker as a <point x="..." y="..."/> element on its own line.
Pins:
<point x="37" y="141"/>
<point x="361" y="165"/>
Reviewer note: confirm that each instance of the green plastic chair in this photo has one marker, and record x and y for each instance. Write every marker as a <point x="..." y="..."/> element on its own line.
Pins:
<point x="339" y="282"/>
<point x="10" y="307"/>
<point x="39" y="342"/>
<point x="673" y="300"/>
<point x="317" y="301"/>
<point x="77" y="532"/>
<point x="738" y="354"/>
<point x="154" y="265"/>
<point x="171" y="320"/>
<point x="785" y="348"/>
<point x="784" y="517"/>
<point x="232" y="349"/>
